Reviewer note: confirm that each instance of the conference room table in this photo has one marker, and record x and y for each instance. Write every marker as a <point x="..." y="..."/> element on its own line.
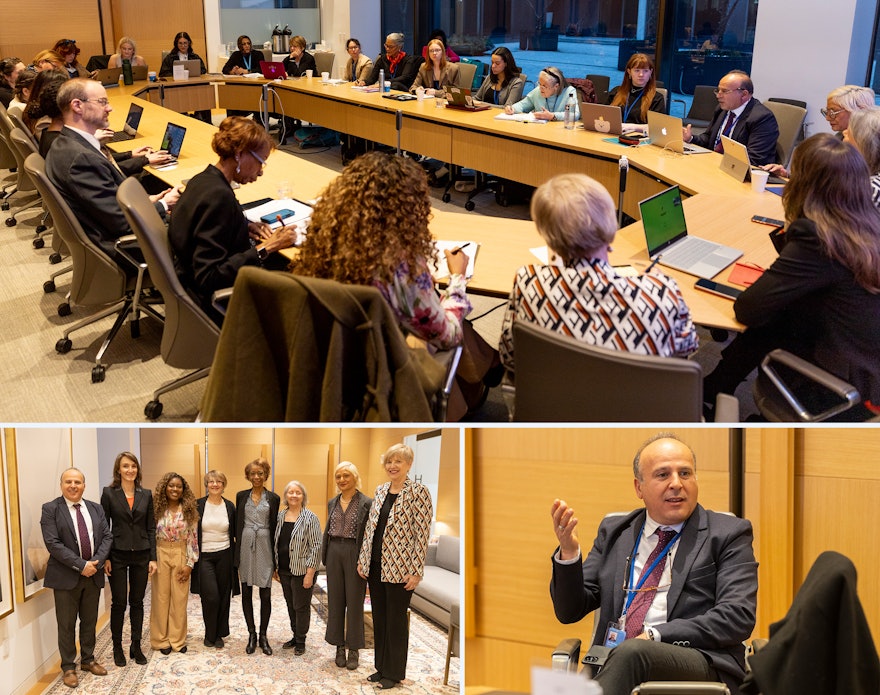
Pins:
<point x="717" y="206"/>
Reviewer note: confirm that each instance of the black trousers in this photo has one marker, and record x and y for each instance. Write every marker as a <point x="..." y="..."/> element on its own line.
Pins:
<point x="345" y="595"/>
<point x="215" y="589"/>
<point x="636" y="660"/>
<point x="129" y="570"/>
<point x="80" y="602"/>
<point x="299" y="601"/>
<point x="390" y="625"/>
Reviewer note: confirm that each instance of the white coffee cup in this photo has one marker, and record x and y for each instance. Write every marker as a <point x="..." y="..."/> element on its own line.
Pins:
<point x="759" y="180"/>
<point x="152" y="75"/>
<point x="325" y="76"/>
<point x="420" y="93"/>
<point x="309" y="74"/>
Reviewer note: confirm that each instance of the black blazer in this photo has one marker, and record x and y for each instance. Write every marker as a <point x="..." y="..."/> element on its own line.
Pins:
<point x="756" y="128"/>
<point x="194" y="582"/>
<point x="364" y="503"/>
<point x="306" y="62"/>
<point x="167" y="67"/>
<point x="402" y="78"/>
<point x="134" y="528"/>
<point x="240" y="501"/>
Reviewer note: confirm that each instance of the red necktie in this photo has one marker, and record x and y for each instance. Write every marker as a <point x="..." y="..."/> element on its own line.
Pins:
<point x="719" y="146"/>
<point x="638" y="609"/>
<point x="85" y="543"/>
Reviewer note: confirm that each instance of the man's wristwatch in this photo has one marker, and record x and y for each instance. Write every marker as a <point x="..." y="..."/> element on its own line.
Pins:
<point x="262" y="253"/>
<point x="652" y="634"/>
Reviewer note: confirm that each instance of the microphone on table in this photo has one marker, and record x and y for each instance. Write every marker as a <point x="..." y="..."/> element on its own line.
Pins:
<point x="623" y="164"/>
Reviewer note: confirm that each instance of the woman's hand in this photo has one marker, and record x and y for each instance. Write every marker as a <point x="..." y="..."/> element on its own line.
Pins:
<point x="508" y="109"/>
<point x="544" y="115"/>
<point x="151" y="568"/>
<point x="361" y="572"/>
<point x="281" y="238"/>
<point x="107" y="567"/>
<point x="103" y="135"/>
<point x="259" y="231"/>
<point x="411" y="581"/>
<point x="309" y="579"/>
<point x="776" y="170"/>
<point x="457" y="261"/>
<point x="276" y="576"/>
<point x="183" y="573"/>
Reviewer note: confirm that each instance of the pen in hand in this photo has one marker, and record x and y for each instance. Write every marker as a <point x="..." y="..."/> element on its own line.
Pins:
<point x="463" y="246"/>
<point x="653" y="263"/>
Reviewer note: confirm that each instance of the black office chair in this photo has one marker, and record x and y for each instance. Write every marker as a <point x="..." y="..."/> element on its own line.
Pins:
<point x="703" y="106"/>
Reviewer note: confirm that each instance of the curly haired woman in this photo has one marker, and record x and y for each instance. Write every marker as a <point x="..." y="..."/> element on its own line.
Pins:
<point x="177" y="550"/>
<point x="384" y="241"/>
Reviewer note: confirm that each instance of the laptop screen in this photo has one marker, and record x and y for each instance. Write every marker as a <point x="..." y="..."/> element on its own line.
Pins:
<point x="663" y="220"/>
<point x="133" y="120"/>
<point x="172" y="141"/>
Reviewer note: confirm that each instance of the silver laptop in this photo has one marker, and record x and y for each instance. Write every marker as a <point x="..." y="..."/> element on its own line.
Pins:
<point x="668" y="240"/>
<point x="737" y="162"/>
<point x="601" y="118"/>
<point x="194" y="67"/>
<point x="132" y="121"/>
<point x="665" y="132"/>
<point x="108" y="77"/>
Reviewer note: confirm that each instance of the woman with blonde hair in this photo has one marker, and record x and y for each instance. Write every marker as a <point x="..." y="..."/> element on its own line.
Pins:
<point x="436" y="72"/>
<point x="177" y="550"/>
<point x="297" y="556"/>
<point x="637" y="94"/>
<point x="346" y="520"/>
<point x="47" y="60"/>
<point x="126" y="49"/>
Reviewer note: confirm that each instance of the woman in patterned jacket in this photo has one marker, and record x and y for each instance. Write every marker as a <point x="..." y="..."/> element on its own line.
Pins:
<point x="392" y="560"/>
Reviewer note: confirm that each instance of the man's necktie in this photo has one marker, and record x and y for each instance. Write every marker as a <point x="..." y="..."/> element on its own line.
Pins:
<point x="85" y="543"/>
<point x="728" y="126"/>
<point x="108" y="155"/>
<point x="638" y="609"/>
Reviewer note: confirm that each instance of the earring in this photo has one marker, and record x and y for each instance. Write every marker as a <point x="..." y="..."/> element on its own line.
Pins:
<point x="237" y="165"/>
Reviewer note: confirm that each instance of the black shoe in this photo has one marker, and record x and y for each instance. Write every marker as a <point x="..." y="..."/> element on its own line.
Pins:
<point x="299" y="649"/>
<point x="118" y="655"/>
<point x="386" y="683"/>
<point x="252" y="643"/>
<point x="340" y="656"/>
<point x="207" y="642"/>
<point x="352" y="663"/>
<point x="182" y="650"/>
<point x="289" y="644"/>
<point x="135" y="653"/>
<point x="219" y="643"/>
<point x="494" y="375"/>
<point x="165" y="650"/>
<point x="264" y="645"/>
<point x="374" y="677"/>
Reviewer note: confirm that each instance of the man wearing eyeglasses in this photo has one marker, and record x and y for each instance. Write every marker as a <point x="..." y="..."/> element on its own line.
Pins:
<point x="740" y="117"/>
<point x="84" y="171"/>
<point x="675" y="585"/>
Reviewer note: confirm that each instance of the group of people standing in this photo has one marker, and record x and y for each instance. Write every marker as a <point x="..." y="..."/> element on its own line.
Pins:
<point x="216" y="549"/>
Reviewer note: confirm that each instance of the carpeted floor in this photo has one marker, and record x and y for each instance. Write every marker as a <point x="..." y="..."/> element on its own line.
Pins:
<point x="228" y="671"/>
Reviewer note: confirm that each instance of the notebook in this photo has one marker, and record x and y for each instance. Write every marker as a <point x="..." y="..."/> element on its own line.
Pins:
<point x="273" y="71"/>
<point x="172" y="142"/>
<point x="601" y="118"/>
<point x="458" y="98"/>
<point x="670" y="244"/>
<point x="665" y="132"/>
<point x="736" y="161"/>
<point x="132" y="121"/>
<point x="109" y="77"/>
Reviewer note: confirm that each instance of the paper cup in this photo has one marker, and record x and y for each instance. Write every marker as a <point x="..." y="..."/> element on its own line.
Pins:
<point x="152" y="75"/>
<point x="759" y="180"/>
<point x="309" y="74"/>
<point x="325" y="76"/>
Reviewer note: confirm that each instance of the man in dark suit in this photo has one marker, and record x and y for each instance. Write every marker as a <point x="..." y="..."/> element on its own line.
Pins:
<point x="753" y="124"/>
<point x="78" y="539"/>
<point x="682" y="608"/>
<point x="84" y="173"/>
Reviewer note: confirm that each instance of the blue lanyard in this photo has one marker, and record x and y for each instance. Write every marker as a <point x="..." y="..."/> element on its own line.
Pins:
<point x="247" y="64"/>
<point x="631" y="592"/>
<point x="629" y="108"/>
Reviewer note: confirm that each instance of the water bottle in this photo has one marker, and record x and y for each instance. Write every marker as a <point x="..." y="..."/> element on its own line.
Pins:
<point x="127" y="77"/>
<point x="381" y="80"/>
<point x="569" y="113"/>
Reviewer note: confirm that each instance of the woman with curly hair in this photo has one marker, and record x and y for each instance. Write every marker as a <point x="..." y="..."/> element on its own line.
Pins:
<point x="177" y="550"/>
<point x="42" y="106"/>
<point x="69" y="52"/>
<point x="384" y="241"/>
<point x="209" y="233"/>
<point x="637" y="94"/>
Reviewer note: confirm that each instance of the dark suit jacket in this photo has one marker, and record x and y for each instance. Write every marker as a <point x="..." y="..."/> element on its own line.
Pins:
<point x="240" y="501"/>
<point x="756" y="128"/>
<point x="60" y="535"/>
<point x="134" y="528"/>
<point x="88" y="183"/>
<point x="230" y="513"/>
<point x="407" y="69"/>
<point x="363" y="511"/>
<point x="816" y="306"/>
<point x="710" y="605"/>
<point x="306" y="62"/>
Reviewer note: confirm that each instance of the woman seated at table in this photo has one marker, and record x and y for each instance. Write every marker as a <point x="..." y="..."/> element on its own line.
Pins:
<point x="504" y="83"/>
<point x="370" y="227"/>
<point x="436" y="72"/>
<point x="359" y="65"/>
<point x="547" y="101"/>
<point x="68" y="50"/>
<point x="299" y="59"/>
<point x="126" y="49"/>
<point x="864" y="133"/>
<point x="245" y="60"/>
<point x="579" y="294"/>
<point x="182" y="51"/>
<point x="637" y="94"/>
<point x="209" y="233"/>
<point x="821" y="297"/>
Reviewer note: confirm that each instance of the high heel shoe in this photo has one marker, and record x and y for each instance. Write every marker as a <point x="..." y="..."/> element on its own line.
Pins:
<point x="135" y="653"/>
<point x="252" y="643"/>
<point x="264" y="645"/>
<point x="118" y="655"/>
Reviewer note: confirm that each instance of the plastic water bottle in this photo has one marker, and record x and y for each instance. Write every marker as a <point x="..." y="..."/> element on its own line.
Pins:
<point x="569" y="113"/>
<point x="381" y="80"/>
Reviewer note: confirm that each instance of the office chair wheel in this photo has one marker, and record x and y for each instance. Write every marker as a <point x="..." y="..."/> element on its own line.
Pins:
<point x="135" y="328"/>
<point x="38" y="243"/>
<point x="11" y="222"/>
<point x="470" y="205"/>
<point x="55" y="258"/>
<point x="62" y="347"/>
<point x="502" y="200"/>
<point x="49" y="286"/>
<point x="41" y="228"/>
<point x="98" y="373"/>
<point x="64" y="309"/>
<point x="4" y="206"/>
<point x="446" y="197"/>
<point x="153" y="410"/>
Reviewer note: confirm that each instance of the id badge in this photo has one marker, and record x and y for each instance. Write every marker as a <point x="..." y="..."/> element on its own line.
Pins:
<point x="614" y="635"/>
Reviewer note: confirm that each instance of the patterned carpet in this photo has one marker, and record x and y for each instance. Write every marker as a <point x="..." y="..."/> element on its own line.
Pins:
<point x="229" y="671"/>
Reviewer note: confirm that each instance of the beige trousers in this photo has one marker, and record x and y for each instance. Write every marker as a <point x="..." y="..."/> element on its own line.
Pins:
<point x="169" y="597"/>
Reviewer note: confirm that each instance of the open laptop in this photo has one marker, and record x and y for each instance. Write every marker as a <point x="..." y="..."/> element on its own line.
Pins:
<point x="665" y="132"/>
<point x="132" y="121"/>
<point x="193" y="67"/>
<point x="273" y="71"/>
<point x="458" y="98"/>
<point x="172" y="142"/>
<point x="667" y="237"/>
<point x="109" y="77"/>
<point x="139" y="72"/>
<point x="737" y="162"/>
<point x="601" y="118"/>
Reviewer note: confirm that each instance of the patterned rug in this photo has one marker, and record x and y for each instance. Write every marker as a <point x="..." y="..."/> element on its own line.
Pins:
<point x="229" y="671"/>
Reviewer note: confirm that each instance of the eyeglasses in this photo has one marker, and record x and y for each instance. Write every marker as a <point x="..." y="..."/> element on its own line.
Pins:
<point x="831" y="113"/>
<point x="718" y="90"/>
<point x="258" y="158"/>
<point x="103" y="101"/>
